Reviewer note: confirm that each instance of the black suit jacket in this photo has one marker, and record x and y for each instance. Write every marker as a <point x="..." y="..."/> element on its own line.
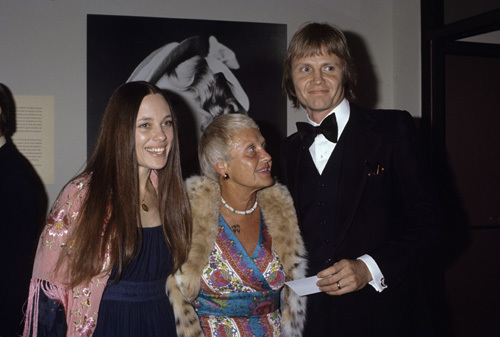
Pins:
<point x="23" y="204"/>
<point x="386" y="208"/>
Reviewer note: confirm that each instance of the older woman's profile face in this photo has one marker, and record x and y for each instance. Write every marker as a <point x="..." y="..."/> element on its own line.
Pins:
<point x="251" y="164"/>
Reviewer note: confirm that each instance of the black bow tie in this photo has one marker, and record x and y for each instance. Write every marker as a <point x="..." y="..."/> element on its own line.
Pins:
<point x="308" y="132"/>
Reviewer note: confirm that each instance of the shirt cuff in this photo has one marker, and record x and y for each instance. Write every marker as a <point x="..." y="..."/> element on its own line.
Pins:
<point x="377" y="281"/>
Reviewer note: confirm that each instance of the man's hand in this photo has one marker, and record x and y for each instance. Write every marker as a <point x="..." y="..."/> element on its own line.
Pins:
<point x="344" y="277"/>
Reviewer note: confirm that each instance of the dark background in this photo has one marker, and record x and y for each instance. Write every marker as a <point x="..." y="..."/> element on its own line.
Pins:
<point x="117" y="44"/>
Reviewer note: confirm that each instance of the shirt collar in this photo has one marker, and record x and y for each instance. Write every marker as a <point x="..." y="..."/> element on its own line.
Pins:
<point x="341" y="113"/>
<point x="3" y="140"/>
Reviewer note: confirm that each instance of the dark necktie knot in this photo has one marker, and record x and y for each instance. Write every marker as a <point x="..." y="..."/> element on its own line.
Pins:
<point x="328" y="128"/>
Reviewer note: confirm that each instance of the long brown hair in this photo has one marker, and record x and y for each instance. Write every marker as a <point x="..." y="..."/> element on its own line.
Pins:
<point x="113" y="194"/>
<point x="313" y="39"/>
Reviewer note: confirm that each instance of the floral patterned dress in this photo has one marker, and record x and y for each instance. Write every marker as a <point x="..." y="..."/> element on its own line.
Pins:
<point x="240" y="293"/>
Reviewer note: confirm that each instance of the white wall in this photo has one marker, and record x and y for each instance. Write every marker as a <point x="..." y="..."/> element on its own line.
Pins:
<point x="43" y="51"/>
<point x="407" y="64"/>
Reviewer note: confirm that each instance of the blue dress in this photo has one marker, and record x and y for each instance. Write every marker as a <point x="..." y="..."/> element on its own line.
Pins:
<point x="138" y="305"/>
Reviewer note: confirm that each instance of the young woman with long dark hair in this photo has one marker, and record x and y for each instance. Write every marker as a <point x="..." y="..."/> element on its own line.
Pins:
<point x="117" y="230"/>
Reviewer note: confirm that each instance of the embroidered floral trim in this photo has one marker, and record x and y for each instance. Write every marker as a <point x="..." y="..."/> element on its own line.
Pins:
<point x="57" y="225"/>
<point x="86" y="326"/>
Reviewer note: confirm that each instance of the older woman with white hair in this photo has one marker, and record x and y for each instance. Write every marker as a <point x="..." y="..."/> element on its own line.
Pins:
<point x="246" y="242"/>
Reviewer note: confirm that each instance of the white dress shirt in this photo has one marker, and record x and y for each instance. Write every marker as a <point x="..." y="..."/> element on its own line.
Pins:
<point x="321" y="150"/>
<point x="2" y="141"/>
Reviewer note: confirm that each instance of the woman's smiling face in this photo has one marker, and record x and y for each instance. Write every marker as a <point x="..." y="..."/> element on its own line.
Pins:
<point x="153" y="132"/>
<point x="251" y="164"/>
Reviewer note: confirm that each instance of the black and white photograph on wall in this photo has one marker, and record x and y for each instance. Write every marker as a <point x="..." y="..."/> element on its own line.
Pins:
<point x="206" y="67"/>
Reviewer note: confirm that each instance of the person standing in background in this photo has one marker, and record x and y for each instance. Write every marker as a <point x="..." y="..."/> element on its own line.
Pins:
<point x="365" y="203"/>
<point x="23" y="206"/>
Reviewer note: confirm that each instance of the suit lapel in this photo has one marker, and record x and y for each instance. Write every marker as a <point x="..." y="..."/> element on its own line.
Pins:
<point x="354" y="172"/>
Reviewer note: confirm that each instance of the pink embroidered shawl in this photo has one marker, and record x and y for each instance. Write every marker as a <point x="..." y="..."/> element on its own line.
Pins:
<point x="81" y="304"/>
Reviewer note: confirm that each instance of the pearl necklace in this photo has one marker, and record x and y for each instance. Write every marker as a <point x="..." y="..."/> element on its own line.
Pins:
<point x="236" y="211"/>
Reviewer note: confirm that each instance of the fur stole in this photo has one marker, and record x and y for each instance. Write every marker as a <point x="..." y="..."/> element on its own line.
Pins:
<point x="279" y="213"/>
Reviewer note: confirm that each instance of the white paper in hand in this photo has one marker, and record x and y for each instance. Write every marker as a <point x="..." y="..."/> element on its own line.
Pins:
<point x="305" y="286"/>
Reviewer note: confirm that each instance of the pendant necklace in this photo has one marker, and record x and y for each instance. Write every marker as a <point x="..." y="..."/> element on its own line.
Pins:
<point x="144" y="206"/>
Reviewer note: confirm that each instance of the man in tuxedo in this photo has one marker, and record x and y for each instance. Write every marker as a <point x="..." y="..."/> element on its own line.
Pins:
<point x="364" y="200"/>
<point x="23" y="203"/>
